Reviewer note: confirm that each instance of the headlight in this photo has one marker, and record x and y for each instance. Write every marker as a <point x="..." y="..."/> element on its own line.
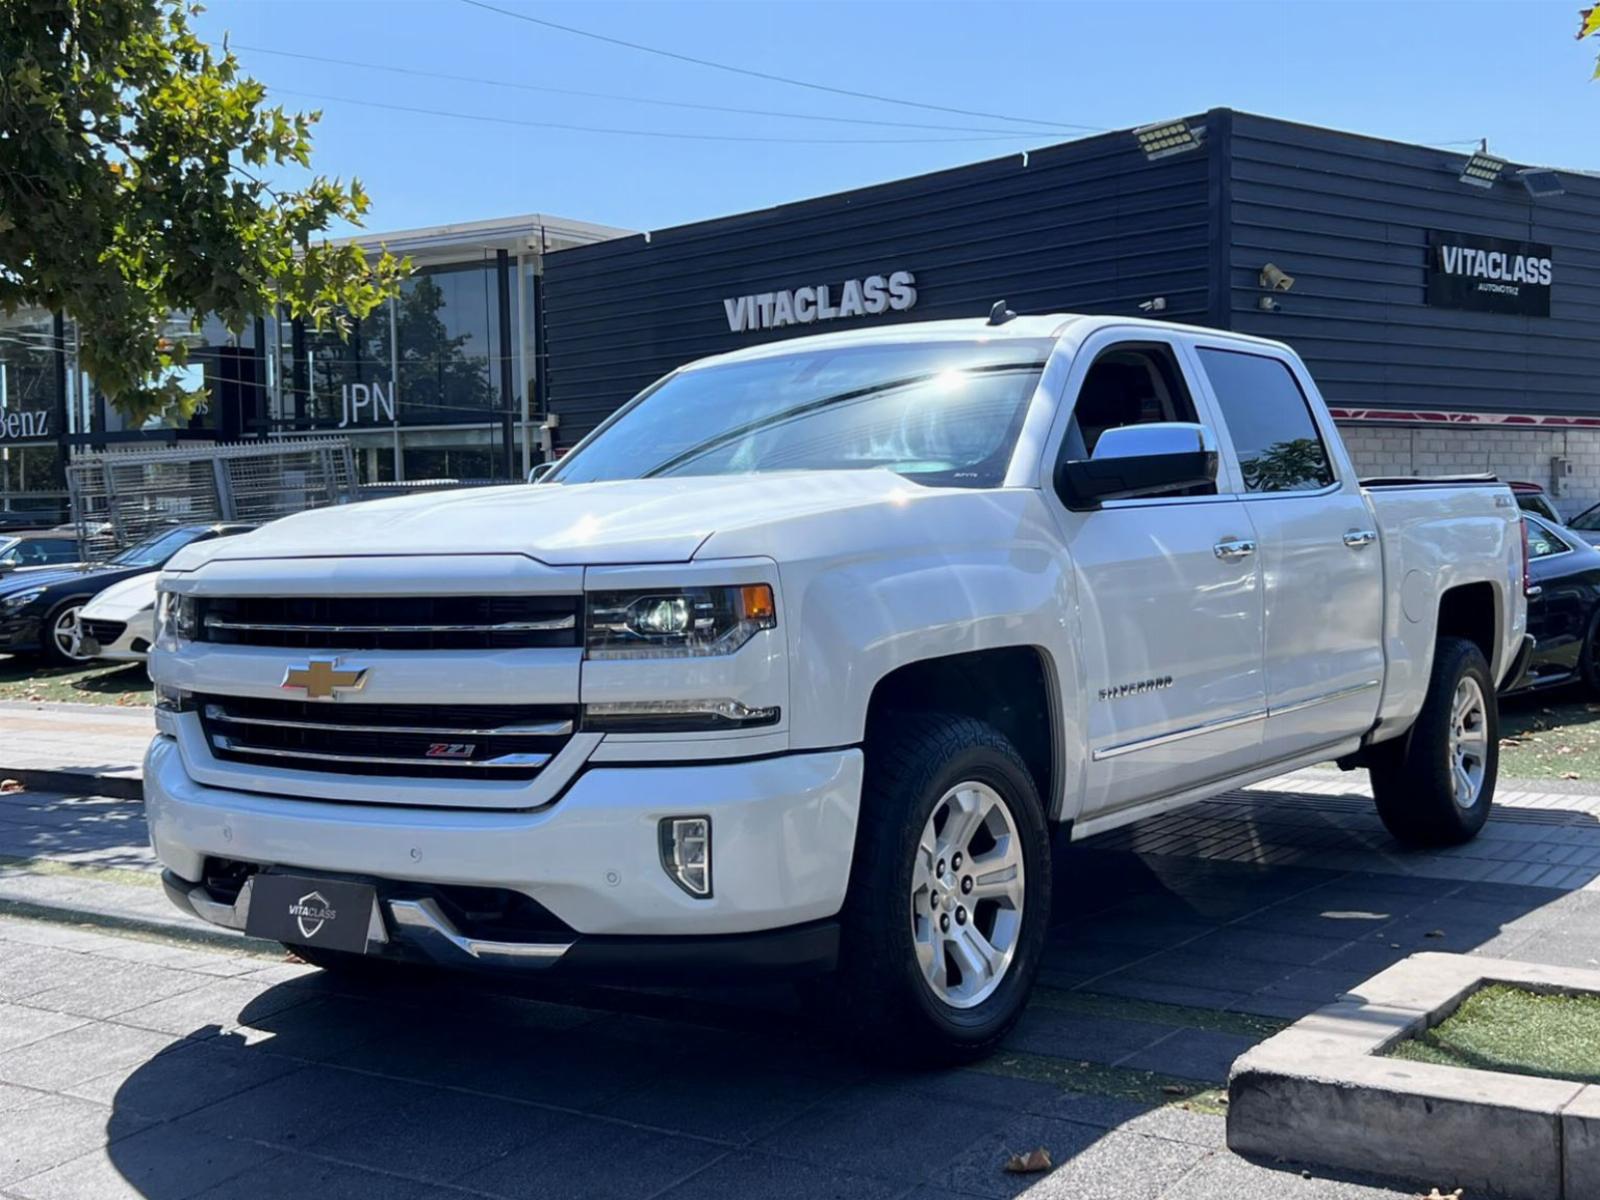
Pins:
<point x="176" y="617"/>
<point x="20" y="600"/>
<point x="677" y="622"/>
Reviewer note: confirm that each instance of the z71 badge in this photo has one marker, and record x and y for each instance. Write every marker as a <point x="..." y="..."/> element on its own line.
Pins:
<point x="451" y="750"/>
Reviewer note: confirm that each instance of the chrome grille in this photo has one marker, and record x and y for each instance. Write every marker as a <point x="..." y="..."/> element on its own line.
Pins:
<point x="429" y="741"/>
<point x="391" y="622"/>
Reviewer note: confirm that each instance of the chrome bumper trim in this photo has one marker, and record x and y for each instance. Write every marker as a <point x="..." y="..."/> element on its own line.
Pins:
<point x="422" y="923"/>
<point x="419" y="924"/>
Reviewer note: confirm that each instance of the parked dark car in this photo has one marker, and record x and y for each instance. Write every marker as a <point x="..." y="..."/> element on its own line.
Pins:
<point x="1587" y="525"/>
<point x="39" y="605"/>
<point x="1563" y="607"/>
<point x="37" y="548"/>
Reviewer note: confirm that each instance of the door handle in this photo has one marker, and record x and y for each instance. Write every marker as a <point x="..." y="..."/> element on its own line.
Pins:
<point x="1358" y="538"/>
<point x="1234" y="548"/>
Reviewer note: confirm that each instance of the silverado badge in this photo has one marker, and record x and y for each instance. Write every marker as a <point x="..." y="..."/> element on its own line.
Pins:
<point x="321" y="678"/>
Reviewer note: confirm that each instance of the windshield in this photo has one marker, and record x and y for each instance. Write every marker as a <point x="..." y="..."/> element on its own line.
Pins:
<point x="157" y="548"/>
<point x="942" y="413"/>
<point x="1588" y="519"/>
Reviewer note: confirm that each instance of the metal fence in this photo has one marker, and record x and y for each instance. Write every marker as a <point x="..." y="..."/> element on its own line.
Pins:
<point x="120" y="496"/>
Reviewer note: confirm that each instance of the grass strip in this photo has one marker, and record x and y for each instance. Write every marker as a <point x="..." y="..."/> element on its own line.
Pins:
<point x="1510" y="1029"/>
<point x="1122" y="1083"/>
<point x="10" y="863"/>
<point x="1180" y="1016"/>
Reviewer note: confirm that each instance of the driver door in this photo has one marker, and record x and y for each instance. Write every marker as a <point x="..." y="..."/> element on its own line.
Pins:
<point x="1169" y="592"/>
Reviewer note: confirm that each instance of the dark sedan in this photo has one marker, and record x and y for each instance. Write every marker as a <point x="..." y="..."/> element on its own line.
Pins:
<point x="39" y="605"/>
<point x="1563" y="607"/>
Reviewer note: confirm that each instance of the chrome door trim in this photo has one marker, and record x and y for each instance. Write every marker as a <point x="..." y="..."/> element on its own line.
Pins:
<point x="1230" y="548"/>
<point x="1325" y="698"/>
<point x="1178" y="735"/>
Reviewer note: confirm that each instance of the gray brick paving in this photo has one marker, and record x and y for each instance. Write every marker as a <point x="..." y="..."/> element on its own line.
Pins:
<point x="164" y="1070"/>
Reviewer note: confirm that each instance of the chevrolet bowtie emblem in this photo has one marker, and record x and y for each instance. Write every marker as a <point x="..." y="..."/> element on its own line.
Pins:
<point x="322" y="678"/>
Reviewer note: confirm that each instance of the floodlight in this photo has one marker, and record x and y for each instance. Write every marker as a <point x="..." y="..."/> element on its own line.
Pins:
<point x="1541" y="182"/>
<point x="1482" y="169"/>
<point x="1167" y="137"/>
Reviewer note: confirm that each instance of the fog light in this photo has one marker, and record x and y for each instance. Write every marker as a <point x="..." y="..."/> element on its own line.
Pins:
<point x="686" y="853"/>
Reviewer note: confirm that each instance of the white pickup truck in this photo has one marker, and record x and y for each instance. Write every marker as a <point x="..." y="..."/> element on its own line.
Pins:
<point x="797" y="663"/>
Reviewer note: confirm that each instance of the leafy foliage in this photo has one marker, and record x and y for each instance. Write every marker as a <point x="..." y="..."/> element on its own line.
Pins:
<point x="1588" y="26"/>
<point x="130" y="153"/>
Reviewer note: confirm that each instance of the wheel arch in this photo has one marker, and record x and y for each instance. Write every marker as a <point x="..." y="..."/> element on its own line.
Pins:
<point x="1013" y="688"/>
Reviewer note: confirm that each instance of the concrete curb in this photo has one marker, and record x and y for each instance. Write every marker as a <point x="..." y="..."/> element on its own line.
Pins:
<point x="198" y="935"/>
<point x="1319" y="1093"/>
<point x="78" y="783"/>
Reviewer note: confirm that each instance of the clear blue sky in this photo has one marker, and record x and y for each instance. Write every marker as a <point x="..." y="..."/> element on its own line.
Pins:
<point x="1427" y="72"/>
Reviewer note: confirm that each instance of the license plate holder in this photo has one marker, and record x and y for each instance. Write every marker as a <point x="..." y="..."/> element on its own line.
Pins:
<point x="307" y="911"/>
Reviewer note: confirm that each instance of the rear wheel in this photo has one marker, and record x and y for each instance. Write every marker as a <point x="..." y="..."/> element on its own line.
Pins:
<point x="1435" y="785"/>
<point x="950" y="892"/>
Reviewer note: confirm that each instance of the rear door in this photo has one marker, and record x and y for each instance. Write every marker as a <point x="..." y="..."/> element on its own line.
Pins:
<point x="1321" y="564"/>
<point x="1168" y="592"/>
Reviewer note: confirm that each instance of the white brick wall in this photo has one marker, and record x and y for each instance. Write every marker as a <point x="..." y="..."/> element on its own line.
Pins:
<point x="1521" y="454"/>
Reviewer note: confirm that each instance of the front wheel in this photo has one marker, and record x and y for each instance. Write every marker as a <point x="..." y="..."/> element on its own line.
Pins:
<point x="1435" y="784"/>
<point x="63" y="637"/>
<point x="949" y="897"/>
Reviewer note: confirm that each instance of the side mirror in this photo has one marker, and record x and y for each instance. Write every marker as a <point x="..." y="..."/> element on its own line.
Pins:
<point x="540" y="471"/>
<point x="1139" y="460"/>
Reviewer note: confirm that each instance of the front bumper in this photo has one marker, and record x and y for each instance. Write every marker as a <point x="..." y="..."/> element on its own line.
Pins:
<point x="783" y="831"/>
<point x="21" y="633"/>
<point x="419" y="930"/>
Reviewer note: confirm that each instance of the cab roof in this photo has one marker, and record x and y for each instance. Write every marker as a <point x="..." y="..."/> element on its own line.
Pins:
<point x="1078" y="326"/>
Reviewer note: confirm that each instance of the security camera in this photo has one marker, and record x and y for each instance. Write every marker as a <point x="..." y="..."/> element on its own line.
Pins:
<point x="1275" y="279"/>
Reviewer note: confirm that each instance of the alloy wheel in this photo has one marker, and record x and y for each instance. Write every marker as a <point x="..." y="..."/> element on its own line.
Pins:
<point x="967" y="893"/>
<point x="1469" y="742"/>
<point x="66" y="634"/>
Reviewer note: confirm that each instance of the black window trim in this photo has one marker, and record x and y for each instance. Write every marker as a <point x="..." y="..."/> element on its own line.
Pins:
<point x="1245" y="493"/>
<point x="1549" y="533"/>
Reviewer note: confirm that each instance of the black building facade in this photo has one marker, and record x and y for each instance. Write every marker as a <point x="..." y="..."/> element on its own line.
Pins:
<point x="1458" y="310"/>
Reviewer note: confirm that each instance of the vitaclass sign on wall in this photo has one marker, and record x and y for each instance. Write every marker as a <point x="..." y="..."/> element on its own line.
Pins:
<point x="869" y="297"/>
<point x="1488" y="274"/>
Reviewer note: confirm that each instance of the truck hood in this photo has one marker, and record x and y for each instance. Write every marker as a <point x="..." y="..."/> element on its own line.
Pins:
<point x="588" y="524"/>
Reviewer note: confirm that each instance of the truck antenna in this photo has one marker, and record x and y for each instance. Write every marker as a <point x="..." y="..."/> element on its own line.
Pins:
<point x="1000" y="314"/>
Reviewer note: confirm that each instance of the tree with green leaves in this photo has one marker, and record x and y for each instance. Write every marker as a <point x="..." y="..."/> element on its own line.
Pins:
<point x="1588" y="26"/>
<point x="132" y="164"/>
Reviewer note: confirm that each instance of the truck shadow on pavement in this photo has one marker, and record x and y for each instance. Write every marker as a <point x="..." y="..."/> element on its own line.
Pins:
<point x="1178" y="944"/>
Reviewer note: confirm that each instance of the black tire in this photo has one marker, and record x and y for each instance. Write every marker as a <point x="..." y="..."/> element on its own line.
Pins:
<point x="881" y="993"/>
<point x="1413" y="776"/>
<point x="48" y="650"/>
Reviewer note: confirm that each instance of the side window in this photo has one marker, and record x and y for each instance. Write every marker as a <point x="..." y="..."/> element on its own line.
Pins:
<point x="1270" y="422"/>
<point x="1127" y="385"/>
<point x="1542" y="543"/>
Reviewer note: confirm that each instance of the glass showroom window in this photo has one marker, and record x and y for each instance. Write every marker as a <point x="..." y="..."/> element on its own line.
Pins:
<point x="448" y="325"/>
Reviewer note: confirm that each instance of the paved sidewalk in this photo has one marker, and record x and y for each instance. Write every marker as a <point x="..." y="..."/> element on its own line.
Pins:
<point x="84" y="746"/>
<point x="163" y="1069"/>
